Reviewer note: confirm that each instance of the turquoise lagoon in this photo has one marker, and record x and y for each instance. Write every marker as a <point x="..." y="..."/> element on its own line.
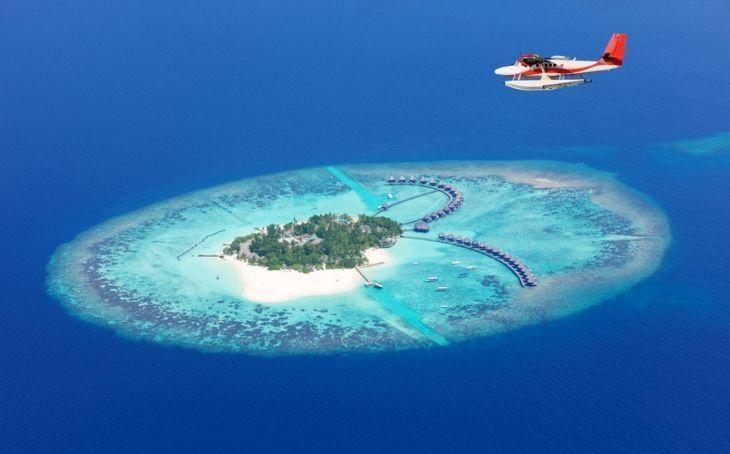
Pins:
<point x="586" y="236"/>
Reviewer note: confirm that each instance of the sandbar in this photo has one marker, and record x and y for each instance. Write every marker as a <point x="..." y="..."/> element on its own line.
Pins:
<point x="261" y="285"/>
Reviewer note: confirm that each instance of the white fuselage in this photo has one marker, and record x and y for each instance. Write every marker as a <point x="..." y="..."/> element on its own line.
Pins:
<point x="555" y="67"/>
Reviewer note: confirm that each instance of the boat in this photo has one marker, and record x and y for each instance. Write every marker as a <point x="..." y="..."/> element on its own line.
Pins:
<point x="444" y="306"/>
<point x="456" y="262"/>
<point x="390" y="196"/>
<point x="463" y="275"/>
<point x="441" y="289"/>
<point x="471" y="267"/>
<point x="432" y="279"/>
<point x="377" y="285"/>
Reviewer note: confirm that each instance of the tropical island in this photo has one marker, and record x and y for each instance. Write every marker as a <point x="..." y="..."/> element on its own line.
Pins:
<point x="327" y="241"/>
<point x="161" y="273"/>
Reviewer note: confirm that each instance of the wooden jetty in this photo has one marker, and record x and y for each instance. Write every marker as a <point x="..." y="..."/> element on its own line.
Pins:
<point x="455" y="198"/>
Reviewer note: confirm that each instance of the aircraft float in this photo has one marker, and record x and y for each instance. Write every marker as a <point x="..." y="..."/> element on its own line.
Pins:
<point x="532" y="72"/>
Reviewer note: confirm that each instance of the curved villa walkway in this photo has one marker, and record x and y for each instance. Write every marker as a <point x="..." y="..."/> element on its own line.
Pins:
<point x="456" y="199"/>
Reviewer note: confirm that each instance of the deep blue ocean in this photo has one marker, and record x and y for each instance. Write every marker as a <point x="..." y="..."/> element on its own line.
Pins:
<point x="109" y="106"/>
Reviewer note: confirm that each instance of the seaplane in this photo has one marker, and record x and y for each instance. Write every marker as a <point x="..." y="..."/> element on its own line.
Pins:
<point x="532" y="72"/>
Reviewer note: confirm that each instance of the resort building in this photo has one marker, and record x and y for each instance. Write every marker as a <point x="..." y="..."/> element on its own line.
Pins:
<point x="421" y="227"/>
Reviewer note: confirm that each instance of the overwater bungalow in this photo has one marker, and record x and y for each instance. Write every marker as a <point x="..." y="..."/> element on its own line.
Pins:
<point x="525" y="276"/>
<point x="391" y="179"/>
<point x="412" y="179"/>
<point x="402" y="179"/>
<point x="432" y="182"/>
<point x="441" y="185"/>
<point x="423" y="180"/>
<point x="421" y="227"/>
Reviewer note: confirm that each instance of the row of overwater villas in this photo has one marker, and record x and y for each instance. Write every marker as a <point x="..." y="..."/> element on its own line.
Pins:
<point x="526" y="277"/>
<point x="456" y="198"/>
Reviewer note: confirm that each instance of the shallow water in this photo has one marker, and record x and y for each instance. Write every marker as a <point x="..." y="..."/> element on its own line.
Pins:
<point x="585" y="236"/>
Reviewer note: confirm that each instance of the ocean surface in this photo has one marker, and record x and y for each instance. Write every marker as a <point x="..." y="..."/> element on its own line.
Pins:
<point x="157" y="274"/>
<point x="107" y="107"/>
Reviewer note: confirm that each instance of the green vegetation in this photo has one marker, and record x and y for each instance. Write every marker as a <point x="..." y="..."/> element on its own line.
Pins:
<point x="322" y="241"/>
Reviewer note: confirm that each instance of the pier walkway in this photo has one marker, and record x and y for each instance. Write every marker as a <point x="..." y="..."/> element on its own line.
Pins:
<point x="199" y="243"/>
<point x="387" y="205"/>
<point x="523" y="273"/>
<point x="456" y="198"/>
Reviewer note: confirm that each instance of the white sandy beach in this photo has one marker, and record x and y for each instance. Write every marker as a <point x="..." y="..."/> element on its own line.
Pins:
<point x="265" y="286"/>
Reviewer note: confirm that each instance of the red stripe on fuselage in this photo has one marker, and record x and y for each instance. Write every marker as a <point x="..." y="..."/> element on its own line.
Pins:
<point x="538" y="71"/>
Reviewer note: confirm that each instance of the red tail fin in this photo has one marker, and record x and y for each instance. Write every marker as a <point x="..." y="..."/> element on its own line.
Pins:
<point x="614" y="53"/>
